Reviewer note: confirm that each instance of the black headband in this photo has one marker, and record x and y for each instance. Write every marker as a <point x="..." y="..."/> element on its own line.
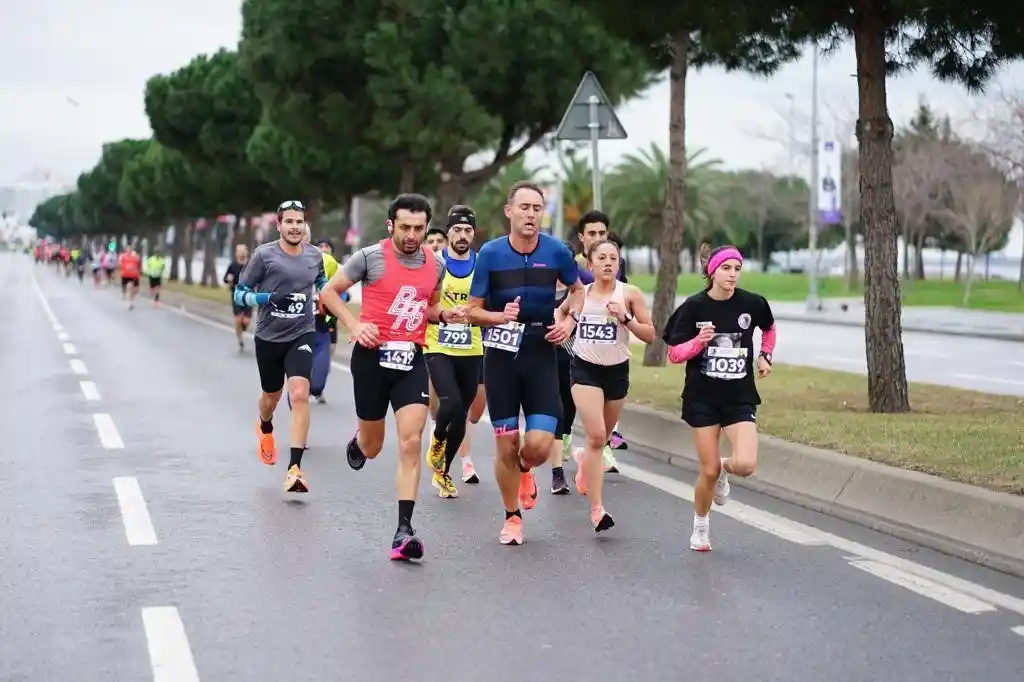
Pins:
<point x="461" y="219"/>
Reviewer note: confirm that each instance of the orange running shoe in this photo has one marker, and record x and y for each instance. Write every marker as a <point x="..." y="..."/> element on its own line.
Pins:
<point x="512" y="531"/>
<point x="267" y="448"/>
<point x="527" y="490"/>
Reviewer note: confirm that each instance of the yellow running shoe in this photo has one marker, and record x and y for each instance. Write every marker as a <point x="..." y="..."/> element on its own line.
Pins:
<point x="446" y="487"/>
<point x="295" y="481"/>
<point x="435" y="455"/>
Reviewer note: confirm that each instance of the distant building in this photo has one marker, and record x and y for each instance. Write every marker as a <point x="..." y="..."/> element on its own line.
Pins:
<point x="18" y="200"/>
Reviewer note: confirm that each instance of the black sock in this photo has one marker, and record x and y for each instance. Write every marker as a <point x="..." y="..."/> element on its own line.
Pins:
<point x="266" y="426"/>
<point x="405" y="508"/>
<point x="296" y="459"/>
<point x="510" y="514"/>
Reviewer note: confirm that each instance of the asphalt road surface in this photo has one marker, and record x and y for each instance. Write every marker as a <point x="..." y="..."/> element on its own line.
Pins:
<point x="142" y="539"/>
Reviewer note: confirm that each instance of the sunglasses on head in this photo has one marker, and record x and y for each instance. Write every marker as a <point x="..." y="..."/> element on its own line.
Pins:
<point x="290" y="205"/>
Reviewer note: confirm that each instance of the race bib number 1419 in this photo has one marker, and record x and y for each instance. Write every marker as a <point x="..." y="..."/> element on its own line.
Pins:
<point x="397" y="355"/>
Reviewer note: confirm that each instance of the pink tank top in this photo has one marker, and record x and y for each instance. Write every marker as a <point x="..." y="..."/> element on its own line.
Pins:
<point x="600" y="339"/>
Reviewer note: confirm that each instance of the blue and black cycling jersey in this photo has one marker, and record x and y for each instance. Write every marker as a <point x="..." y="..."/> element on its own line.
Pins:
<point x="502" y="274"/>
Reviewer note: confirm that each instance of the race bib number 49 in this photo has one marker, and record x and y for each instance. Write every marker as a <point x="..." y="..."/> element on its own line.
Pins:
<point x="597" y="329"/>
<point x="725" y="357"/>
<point x="397" y="355"/>
<point x="507" y="337"/>
<point x="457" y="336"/>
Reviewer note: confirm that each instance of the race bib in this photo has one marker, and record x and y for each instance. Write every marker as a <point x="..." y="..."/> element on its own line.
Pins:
<point x="600" y="329"/>
<point x="397" y="355"/>
<point x="508" y="336"/>
<point x="457" y="336"/>
<point x="294" y="307"/>
<point x="725" y="357"/>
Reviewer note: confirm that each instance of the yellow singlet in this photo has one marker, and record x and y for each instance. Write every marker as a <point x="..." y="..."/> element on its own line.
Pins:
<point x="456" y="339"/>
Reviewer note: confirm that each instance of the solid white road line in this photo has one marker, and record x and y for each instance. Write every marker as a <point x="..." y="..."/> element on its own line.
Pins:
<point x="923" y="587"/>
<point x="793" y="531"/>
<point x="138" y="527"/>
<point x="89" y="390"/>
<point x="78" y="367"/>
<point x="46" y="304"/>
<point x="991" y="380"/>
<point x="69" y="349"/>
<point x="109" y="436"/>
<point x="169" y="652"/>
<point x="63" y="336"/>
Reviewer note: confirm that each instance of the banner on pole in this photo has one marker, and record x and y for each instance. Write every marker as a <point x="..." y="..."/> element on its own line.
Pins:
<point x="830" y="168"/>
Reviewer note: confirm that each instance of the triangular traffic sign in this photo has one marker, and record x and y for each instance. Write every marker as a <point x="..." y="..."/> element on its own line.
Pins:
<point x="575" y="123"/>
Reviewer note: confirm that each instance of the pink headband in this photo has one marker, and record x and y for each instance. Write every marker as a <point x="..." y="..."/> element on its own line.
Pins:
<point x="729" y="253"/>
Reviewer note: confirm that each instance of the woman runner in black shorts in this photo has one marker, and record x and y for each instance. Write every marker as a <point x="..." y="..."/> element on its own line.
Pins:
<point x="713" y="333"/>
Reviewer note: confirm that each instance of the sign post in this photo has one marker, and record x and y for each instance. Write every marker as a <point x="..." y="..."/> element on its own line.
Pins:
<point x="590" y="117"/>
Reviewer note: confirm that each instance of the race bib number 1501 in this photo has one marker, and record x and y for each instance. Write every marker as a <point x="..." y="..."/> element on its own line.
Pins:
<point x="507" y="337"/>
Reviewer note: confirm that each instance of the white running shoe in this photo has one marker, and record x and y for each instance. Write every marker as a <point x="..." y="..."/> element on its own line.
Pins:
<point x="700" y="541"/>
<point x="722" y="489"/>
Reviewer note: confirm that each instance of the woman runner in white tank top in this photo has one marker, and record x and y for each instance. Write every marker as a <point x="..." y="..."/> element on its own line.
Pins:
<point x="600" y="366"/>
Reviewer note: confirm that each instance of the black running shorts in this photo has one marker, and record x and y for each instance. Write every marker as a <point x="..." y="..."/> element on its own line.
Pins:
<point x="526" y="381"/>
<point x="376" y="387"/>
<point x="700" y="414"/>
<point x="612" y="379"/>
<point x="277" y="359"/>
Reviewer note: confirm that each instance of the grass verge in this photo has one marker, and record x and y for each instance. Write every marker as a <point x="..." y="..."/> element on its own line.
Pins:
<point x="965" y="436"/>
<point x="996" y="295"/>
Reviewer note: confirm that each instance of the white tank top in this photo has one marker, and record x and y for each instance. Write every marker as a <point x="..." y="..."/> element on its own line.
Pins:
<point x="600" y="338"/>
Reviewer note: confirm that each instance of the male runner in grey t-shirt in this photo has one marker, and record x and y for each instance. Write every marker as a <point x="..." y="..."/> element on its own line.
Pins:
<point x="284" y="278"/>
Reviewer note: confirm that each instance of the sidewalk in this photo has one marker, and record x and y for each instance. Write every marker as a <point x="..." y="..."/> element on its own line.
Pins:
<point x="978" y="525"/>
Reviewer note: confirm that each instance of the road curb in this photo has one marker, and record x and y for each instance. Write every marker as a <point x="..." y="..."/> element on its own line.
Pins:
<point x="975" y="334"/>
<point x="979" y="525"/>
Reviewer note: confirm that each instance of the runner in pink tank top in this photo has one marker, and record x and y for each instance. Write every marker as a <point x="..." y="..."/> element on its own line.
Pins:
<point x="612" y="312"/>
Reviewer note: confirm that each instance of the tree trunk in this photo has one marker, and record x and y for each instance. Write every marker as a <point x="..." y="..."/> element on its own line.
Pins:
<point x="190" y="250"/>
<point x="1020" y="277"/>
<point x="852" y="278"/>
<point x="671" y="243"/>
<point x="452" y="190"/>
<point x="959" y="266"/>
<point x="209" y="276"/>
<point x="883" y="328"/>
<point x="314" y="212"/>
<point x="177" y="249"/>
<point x="919" y="255"/>
<point x="971" y="265"/>
<point x="407" y="183"/>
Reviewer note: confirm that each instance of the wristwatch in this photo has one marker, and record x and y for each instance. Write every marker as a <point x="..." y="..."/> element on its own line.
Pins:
<point x="629" y="318"/>
<point x="574" y="315"/>
<point x="766" y="356"/>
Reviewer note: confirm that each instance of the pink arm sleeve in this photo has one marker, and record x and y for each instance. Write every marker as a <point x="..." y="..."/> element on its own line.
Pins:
<point x="768" y="340"/>
<point x="682" y="352"/>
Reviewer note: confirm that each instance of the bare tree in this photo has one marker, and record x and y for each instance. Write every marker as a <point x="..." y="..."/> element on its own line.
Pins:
<point x="1004" y="142"/>
<point x="918" y="183"/>
<point x="982" y="203"/>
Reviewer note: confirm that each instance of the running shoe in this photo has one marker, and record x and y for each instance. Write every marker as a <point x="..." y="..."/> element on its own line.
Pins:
<point x="601" y="519"/>
<point x="611" y="465"/>
<point x="266" y="447"/>
<point x="406" y="545"/>
<point x="700" y="541"/>
<point x="512" y="531"/>
<point x="445" y="487"/>
<point x="617" y="442"/>
<point x="356" y="458"/>
<point x="435" y="455"/>
<point x="558" y="484"/>
<point x="295" y="481"/>
<point x="527" y="490"/>
<point x="722" y="488"/>
<point x="468" y="471"/>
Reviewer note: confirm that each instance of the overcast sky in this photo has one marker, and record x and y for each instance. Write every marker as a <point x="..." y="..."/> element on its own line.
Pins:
<point x="100" y="54"/>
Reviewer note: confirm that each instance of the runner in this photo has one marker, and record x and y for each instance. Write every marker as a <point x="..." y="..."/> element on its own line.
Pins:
<point x="561" y="447"/>
<point x="326" y="329"/>
<point x="513" y="294"/>
<point x="591" y="228"/>
<point x="454" y="353"/>
<point x="285" y="273"/>
<point x="241" y="312"/>
<point x="401" y="283"/>
<point x="600" y="365"/>
<point x="155" y="267"/>
<point x="436" y="239"/>
<point x="110" y="262"/>
<point x="713" y="333"/>
<point x="130" y="264"/>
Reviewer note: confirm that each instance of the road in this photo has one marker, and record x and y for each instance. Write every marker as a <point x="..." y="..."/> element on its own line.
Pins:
<point x="143" y="540"/>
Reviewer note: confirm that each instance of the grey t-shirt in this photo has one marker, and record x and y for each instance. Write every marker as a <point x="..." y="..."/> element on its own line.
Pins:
<point x="367" y="264"/>
<point x="272" y="270"/>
